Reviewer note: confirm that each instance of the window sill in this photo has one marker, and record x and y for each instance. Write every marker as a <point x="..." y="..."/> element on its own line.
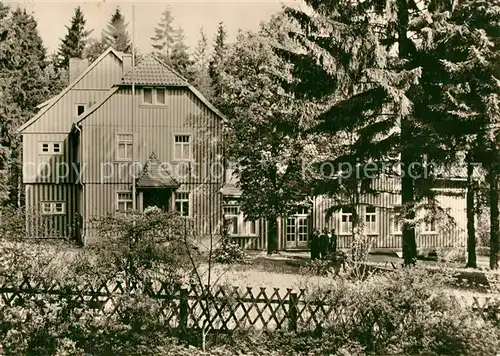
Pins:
<point x="154" y="106"/>
<point x="243" y="235"/>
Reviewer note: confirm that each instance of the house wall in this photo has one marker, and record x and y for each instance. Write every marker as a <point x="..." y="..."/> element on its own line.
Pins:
<point x="39" y="225"/>
<point x="450" y="234"/>
<point x="54" y="177"/>
<point x="154" y="128"/>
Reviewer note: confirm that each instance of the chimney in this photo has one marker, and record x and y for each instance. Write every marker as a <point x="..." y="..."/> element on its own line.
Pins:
<point x="127" y="62"/>
<point x="76" y="67"/>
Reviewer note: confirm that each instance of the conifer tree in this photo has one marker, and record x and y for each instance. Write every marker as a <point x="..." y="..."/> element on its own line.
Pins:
<point x="116" y="34"/>
<point x="24" y="84"/>
<point x="164" y="38"/>
<point x="179" y="58"/>
<point x="217" y="63"/>
<point x="201" y="60"/>
<point x="73" y="44"/>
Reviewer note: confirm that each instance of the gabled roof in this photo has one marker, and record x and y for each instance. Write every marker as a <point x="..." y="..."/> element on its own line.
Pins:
<point x="166" y="75"/>
<point x="154" y="175"/>
<point x="45" y="106"/>
<point x="152" y="71"/>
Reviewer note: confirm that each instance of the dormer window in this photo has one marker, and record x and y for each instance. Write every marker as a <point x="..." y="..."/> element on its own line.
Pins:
<point x="154" y="96"/>
<point x="51" y="148"/>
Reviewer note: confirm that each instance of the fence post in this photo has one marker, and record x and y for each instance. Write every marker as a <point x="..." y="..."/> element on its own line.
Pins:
<point x="183" y="310"/>
<point x="292" y="312"/>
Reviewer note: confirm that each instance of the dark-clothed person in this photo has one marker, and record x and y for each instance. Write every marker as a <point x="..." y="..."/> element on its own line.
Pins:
<point x="314" y="244"/>
<point x="333" y="241"/>
<point x="324" y="242"/>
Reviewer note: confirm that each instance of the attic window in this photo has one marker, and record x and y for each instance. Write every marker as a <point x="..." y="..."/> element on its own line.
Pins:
<point x="80" y="109"/>
<point x="154" y="96"/>
<point x="147" y="95"/>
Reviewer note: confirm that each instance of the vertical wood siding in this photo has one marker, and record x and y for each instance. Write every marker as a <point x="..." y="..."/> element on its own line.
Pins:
<point x="89" y="90"/>
<point x="46" y="168"/>
<point x="50" y="225"/>
<point x="154" y="129"/>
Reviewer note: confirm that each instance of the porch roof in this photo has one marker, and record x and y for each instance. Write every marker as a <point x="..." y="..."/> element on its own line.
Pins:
<point x="154" y="175"/>
<point x="230" y="188"/>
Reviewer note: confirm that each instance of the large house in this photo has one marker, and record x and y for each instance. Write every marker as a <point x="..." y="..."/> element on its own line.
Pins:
<point x="116" y="131"/>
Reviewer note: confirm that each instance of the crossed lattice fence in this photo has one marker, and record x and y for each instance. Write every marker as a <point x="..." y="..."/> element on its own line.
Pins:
<point x="224" y="309"/>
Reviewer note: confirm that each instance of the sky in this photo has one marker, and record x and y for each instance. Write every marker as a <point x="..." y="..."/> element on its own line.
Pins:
<point x="52" y="16"/>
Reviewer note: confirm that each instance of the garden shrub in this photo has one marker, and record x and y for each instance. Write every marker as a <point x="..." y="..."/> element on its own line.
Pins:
<point x="228" y="252"/>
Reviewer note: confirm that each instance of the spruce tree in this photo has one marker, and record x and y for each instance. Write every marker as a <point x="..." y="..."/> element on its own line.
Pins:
<point x="116" y="34"/>
<point x="217" y="63"/>
<point x="164" y="38"/>
<point x="201" y="60"/>
<point x="73" y="44"/>
<point x="24" y="85"/>
<point x="179" y="58"/>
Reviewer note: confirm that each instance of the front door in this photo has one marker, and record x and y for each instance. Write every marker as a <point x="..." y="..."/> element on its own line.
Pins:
<point x="159" y="197"/>
<point x="297" y="231"/>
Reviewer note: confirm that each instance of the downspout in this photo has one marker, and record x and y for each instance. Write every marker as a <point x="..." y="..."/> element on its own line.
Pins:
<point x="80" y="175"/>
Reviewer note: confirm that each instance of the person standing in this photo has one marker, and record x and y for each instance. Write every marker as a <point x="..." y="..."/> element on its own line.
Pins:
<point x="323" y="242"/>
<point x="333" y="241"/>
<point x="314" y="244"/>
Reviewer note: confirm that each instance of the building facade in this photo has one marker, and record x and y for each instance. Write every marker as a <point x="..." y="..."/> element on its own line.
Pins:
<point x="119" y="136"/>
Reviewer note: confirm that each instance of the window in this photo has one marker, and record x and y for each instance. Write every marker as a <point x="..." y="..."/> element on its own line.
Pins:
<point x="52" y="148"/>
<point x="237" y="224"/>
<point x="124" y="201"/>
<point x="147" y="95"/>
<point x="161" y="96"/>
<point x="346" y="221"/>
<point x="231" y="215"/>
<point x="80" y="109"/>
<point x="182" y="203"/>
<point x="124" y="144"/>
<point x="396" y="220"/>
<point x="156" y="96"/>
<point x="182" y="147"/>
<point x="430" y="226"/>
<point x="53" y="207"/>
<point x="371" y="220"/>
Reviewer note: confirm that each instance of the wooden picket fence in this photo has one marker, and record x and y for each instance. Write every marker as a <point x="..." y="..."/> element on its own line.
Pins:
<point x="186" y="308"/>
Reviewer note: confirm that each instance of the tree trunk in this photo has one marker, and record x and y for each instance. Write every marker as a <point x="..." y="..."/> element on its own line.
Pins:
<point x="494" y="219"/>
<point x="272" y="235"/>
<point x="471" y="228"/>
<point x="407" y="184"/>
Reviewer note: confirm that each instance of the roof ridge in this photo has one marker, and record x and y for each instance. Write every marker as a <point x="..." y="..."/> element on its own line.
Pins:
<point x="169" y="68"/>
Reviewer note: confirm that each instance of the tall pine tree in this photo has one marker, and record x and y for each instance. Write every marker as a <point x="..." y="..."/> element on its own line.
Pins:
<point x="116" y="34"/>
<point x="180" y="59"/>
<point x="217" y="63"/>
<point x="73" y="44"/>
<point x="25" y="84"/>
<point x="164" y="38"/>
<point x="201" y="60"/>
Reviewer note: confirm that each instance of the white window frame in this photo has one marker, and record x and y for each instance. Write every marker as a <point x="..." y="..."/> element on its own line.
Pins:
<point x="50" y="207"/>
<point x="372" y="216"/>
<point x="125" y="142"/>
<point x="76" y="108"/>
<point x="125" y="201"/>
<point x="428" y="228"/>
<point x="396" y="224"/>
<point x="182" y="144"/>
<point x="51" y="148"/>
<point x="242" y="226"/>
<point x="349" y="222"/>
<point x="154" y="96"/>
<point x="180" y="197"/>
